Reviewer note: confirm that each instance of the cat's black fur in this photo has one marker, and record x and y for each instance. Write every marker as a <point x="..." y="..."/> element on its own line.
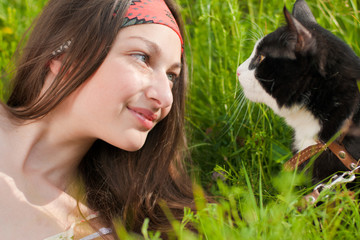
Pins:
<point x="305" y="64"/>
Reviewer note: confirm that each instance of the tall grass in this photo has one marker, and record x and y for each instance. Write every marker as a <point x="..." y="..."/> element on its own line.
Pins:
<point x="238" y="147"/>
<point x="16" y="17"/>
<point x="226" y="130"/>
<point x="246" y="143"/>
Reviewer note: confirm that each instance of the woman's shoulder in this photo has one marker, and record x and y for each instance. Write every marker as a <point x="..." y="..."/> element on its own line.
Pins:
<point x="6" y="121"/>
<point x="87" y="229"/>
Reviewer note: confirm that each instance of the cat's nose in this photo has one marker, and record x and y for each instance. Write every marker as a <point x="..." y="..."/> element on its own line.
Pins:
<point x="238" y="72"/>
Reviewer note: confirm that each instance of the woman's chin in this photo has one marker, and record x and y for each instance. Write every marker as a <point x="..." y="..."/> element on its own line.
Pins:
<point x="134" y="149"/>
<point x="133" y="146"/>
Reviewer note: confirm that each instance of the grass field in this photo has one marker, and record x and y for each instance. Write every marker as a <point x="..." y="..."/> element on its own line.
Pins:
<point x="244" y="143"/>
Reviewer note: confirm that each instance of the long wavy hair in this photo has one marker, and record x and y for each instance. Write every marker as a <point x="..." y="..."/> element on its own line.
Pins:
<point x="121" y="185"/>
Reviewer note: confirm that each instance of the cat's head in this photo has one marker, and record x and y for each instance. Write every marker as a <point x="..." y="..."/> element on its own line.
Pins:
<point x="302" y="66"/>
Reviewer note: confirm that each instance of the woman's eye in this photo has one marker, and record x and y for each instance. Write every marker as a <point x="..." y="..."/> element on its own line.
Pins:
<point x="141" y="57"/>
<point x="172" y="77"/>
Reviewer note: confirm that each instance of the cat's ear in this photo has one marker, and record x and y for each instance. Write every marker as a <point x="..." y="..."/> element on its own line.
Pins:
<point x="305" y="42"/>
<point x="302" y="12"/>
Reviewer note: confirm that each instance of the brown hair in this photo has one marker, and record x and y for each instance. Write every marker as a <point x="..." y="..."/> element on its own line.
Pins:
<point x="121" y="185"/>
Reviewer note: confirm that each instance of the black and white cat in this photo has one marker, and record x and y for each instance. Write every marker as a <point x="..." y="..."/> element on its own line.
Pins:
<point x="308" y="76"/>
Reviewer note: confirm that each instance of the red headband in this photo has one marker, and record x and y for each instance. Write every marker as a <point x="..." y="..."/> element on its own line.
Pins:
<point x="151" y="11"/>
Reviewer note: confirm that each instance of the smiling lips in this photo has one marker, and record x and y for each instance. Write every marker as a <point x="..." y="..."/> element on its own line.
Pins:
<point x="146" y="117"/>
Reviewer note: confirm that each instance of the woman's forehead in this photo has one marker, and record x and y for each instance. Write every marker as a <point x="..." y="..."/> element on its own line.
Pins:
<point x="155" y="35"/>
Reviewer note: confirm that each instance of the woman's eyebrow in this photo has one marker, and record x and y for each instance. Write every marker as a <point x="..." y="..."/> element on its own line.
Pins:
<point x="176" y="66"/>
<point x="151" y="45"/>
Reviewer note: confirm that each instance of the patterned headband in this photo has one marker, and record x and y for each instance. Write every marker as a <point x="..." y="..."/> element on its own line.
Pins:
<point x="151" y="11"/>
<point x="141" y="12"/>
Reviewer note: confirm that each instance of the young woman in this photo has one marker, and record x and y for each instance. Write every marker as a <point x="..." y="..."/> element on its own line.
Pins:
<point x="97" y="107"/>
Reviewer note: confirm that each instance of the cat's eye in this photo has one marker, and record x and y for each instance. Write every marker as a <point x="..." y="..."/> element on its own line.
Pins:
<point x="261" y="58"/>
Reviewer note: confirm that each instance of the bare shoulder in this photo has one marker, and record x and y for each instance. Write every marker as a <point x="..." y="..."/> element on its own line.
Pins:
<point x="6" y="131"/>
<point x="6" y="126"/>
<point x="4" y="115"/>
<point x="41" y="218"/>
<point x="18" y="213"/>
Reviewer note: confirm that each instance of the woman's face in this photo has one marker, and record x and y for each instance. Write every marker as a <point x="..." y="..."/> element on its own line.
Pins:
<point x="132" y="90"/>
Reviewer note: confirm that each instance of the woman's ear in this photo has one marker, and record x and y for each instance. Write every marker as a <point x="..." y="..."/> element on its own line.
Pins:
<point x="55" y="65"/>
<point x="54" y="69"/>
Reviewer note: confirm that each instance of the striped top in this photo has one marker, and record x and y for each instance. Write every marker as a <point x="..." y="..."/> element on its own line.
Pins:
<point x="83" y="230"/>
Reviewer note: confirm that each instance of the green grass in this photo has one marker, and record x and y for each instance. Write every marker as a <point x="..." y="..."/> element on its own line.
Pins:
<point x="244" y="142"/>
<point x="16" y="17"/>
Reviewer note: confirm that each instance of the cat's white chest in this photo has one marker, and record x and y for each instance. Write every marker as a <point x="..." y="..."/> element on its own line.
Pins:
<point x="306" y="126"/>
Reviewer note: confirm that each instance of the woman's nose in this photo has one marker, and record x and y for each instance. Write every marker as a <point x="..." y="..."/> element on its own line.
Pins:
<point x="160" y="91"/>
